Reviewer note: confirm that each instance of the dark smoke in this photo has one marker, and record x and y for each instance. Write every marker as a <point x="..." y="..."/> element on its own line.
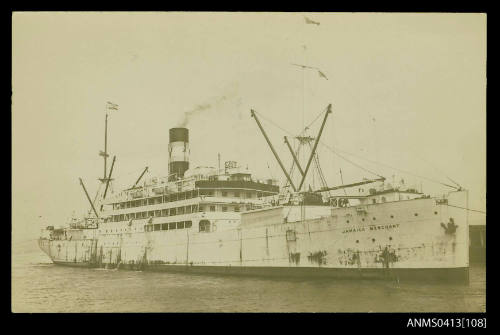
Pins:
<point x="200" y="108"/>
<point x="189" y="114"/>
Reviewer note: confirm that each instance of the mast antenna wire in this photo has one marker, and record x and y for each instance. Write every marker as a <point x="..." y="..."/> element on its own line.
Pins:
<point x="435" y="168"/>
<point x="385" y="165"/>
<point x="362" y="158"/>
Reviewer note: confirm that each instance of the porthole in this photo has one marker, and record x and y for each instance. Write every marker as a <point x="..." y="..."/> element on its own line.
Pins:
<point x="392" y="216"/>
<point x="357" y="241"/>
<point x="347" y="221"/>
<point x="363" y="219"/>
<point x="416" y="214"/>
<point x="374" y="218"/>
<point x="435" y="213"/>
<point x="373" y="240"/>
<point x="390" y="238"/>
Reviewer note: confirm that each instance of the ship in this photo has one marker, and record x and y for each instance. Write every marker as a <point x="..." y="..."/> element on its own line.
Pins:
<point x="225" y="221"/>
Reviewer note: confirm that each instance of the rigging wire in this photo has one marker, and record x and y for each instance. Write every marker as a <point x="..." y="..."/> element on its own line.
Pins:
<point x="310" y="124"/>
<point x="472" y="210"/>
<point x="320" y="171"/>
<point x="362" y="158"/>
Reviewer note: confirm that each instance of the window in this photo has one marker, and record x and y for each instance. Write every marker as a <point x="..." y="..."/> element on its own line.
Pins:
<point x="158" y="213"/>
<point x="212" y="208"/>
<point x="151" y="213"/>
<point x="171" y="225"/>
<point x="164" y="226"/>
<point x="172" y="211"/>
<point x="374" y="201"/>
<point x="236" y="194"/>
<point x="236" y="208"/>
<point x="249" y="194"/>
<point x="164" y="212"/>
<point x="157" y="227"/>
<point x="187" y="209"/>
<point x="224" y="193"/>
<point x="224" y="208"/>
<point x="151" y="201"/>
<point x="204" y="225"/>
<point x="144" y="215"/>
<point x="180" y="210"/>
<point x="122" y="217"/>
<point x="180" y="225"/>
<point x="188" y="224"/>
<point x="383" y="199"/>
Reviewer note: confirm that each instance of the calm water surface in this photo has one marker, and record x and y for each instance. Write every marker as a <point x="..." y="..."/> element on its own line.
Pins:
<point x="40" y="286"/>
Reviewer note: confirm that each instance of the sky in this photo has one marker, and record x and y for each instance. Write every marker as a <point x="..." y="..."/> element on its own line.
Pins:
<point x="408" y="95"/>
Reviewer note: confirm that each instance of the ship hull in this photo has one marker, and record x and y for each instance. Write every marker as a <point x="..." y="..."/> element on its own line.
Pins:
<point x="450" y="275"/>
<point x="404" y="240"/>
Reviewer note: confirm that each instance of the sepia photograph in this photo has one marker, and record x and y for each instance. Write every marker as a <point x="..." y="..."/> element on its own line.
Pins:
<point x="248" y="162"/>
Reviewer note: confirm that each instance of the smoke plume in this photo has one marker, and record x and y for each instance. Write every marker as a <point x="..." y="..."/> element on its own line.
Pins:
<point x="215" y="102"/>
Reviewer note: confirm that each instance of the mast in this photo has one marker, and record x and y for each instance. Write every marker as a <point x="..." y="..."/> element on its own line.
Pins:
<point x="105" y="144"/>
<point x="104" y="153"/>
<point x="272" y="149"/>
<point x="88" y="197"/>
<point x="328" y="111"/>
<point x="108" y="180"/>
<point x="140" y="177"/>
<point x="294" y="157"/>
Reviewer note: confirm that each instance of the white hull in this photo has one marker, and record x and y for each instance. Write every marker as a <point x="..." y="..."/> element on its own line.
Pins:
<point x="345" y="239"/>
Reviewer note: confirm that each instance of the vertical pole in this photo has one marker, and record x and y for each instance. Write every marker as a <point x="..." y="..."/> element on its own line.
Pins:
<point x="105" y="145"/>
<point x="187" y="247"/>
<point x="467" y="248"/>
<point x="294" y="157"/>
<point x="329" y="110"/>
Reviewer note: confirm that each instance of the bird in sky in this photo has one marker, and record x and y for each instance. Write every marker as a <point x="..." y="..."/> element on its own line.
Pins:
<point x="321" y="74"/>
<point x="309" y="21"/>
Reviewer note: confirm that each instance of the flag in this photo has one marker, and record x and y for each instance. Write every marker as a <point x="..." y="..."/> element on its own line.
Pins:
<point x="309" y="21"/>
<point x="321" y="74"/>
<point x="112" y="106"/>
